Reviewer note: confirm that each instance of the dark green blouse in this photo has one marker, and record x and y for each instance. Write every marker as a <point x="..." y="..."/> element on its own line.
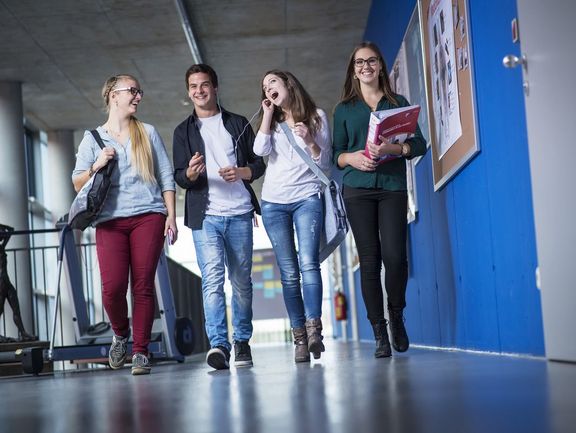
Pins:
<point x="350" y="133"/>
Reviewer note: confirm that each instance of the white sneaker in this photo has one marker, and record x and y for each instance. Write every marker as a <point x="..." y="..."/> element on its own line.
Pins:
<point x="117" y="352"/>
<point x="140" y="364"/>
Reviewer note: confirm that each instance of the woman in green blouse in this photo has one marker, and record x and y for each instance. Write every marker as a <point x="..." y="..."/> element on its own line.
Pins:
<point x="375" y="194"/>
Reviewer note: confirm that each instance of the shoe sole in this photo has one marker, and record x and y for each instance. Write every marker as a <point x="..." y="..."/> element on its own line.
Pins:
<point x="316" y="348"/>
<point x="140" y="370"/>
<point x="217" y="361"/>
<point x="302" y="359"/>
<point x="400" y="349"/>
<point x="116" y="366"/>
<point x="383" y="355"/>
<point x="243" y="364"/>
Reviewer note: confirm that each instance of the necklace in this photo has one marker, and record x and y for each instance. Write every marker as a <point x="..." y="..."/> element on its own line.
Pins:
<point x="114" y="133"/>
<point x="119" y="137"/>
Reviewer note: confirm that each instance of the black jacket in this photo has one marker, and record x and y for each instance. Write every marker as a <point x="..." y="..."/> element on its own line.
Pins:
<point x="188" y="141"/>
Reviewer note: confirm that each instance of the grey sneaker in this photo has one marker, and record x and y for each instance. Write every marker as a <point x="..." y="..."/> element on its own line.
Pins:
<point x="140" y="364"/>
<point x="117" y="353"/>
<point x="242" y="354"/>
<point x="218" y="357"/>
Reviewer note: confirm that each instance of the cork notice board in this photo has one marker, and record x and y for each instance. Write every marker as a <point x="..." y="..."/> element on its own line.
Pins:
<point x="449" y="85"/>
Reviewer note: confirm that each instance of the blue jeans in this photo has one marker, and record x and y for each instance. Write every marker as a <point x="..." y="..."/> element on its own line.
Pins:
<point x="280" y="220"/>
<point x="226" y="241"/>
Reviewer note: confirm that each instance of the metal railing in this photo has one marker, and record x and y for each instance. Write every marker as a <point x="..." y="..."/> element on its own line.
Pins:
<point x="43" y="262"/>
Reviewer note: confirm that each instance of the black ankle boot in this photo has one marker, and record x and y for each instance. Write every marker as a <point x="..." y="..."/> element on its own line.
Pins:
<point x="383" y="349"/>
<point x="399" y="336"/>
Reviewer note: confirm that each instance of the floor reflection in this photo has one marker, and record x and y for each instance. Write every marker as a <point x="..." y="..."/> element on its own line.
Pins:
<point x="347" y="390"/>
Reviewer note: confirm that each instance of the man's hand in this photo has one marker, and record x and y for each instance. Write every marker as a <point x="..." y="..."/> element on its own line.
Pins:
<point x="232" y="174"/>
<point x="229" y="174"/>
<point x="196" y="165"/>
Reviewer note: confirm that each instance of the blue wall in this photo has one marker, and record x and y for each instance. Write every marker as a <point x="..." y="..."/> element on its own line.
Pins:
<point x="472" y="248"/>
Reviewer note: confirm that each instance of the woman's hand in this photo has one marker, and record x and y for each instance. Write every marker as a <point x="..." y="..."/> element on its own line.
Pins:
<point x="360" y="161"/>
<point x="302" y="131"/>
<point x="267" y="113"/>
<point x="106" y="155"/>
<point x="384" y="148"/>
<point x="170" y="226"/>
<point x="267" y="106"/>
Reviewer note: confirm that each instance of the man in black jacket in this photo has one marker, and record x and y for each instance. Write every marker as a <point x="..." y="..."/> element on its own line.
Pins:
<point x="215" y="164"/>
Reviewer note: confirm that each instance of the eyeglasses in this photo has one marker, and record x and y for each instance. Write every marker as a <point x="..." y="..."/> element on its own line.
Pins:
<point x="359" y="62"/>
<point x="135" y="91"/>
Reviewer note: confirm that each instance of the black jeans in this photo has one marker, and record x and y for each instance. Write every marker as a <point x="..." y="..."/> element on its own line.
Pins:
<point x="378" y="221"/>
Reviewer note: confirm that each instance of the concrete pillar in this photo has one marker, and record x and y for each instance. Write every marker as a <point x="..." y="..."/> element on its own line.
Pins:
<point x="61" y="160"/>
<point x="14" y="199"/>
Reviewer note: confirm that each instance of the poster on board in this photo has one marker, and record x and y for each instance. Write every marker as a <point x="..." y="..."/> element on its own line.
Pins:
<point x="454" y="141"/>
<point x="445" y="100"/>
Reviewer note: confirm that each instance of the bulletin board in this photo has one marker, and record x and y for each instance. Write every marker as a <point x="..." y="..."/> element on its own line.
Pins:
<point x="407" y="78"/>
<point x="449" y="85"/>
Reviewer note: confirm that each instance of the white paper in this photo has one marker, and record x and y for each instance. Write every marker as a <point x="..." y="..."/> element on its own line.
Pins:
<point x="444" y="78"/>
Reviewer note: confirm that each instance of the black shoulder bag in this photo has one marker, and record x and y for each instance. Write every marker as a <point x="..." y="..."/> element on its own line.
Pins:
<point x="90" y="199"/>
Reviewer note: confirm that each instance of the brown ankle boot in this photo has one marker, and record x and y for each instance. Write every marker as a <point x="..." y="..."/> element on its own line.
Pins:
<point x="314" y="331"/>
<point x="301" y="353"/>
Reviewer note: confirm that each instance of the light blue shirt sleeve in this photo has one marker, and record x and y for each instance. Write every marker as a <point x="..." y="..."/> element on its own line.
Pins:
<point x="88" y="152"/>
<point x="162" y="165"/>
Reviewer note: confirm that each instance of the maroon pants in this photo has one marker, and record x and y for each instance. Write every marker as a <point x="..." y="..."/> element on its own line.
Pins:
<point x="132" y="245"/>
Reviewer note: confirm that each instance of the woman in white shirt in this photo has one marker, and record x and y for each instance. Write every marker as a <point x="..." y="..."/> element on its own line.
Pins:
<point x="291" y="201"/>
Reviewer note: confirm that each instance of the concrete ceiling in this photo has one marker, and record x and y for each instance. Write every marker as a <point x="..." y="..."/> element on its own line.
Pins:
<point x="63" y="51"/>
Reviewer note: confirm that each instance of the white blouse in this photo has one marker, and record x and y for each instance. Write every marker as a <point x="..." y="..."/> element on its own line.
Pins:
<point x="288" y="178"/>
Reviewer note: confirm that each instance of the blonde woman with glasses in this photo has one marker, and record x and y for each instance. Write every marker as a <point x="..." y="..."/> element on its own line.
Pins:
<point x="138" y="213"/>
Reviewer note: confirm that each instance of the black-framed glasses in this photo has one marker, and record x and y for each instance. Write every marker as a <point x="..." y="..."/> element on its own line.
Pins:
<point x="133" y="90"/>
<point x="359" y="62"/>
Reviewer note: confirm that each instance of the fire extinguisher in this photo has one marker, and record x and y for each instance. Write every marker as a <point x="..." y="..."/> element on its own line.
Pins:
<point x="340" y="306"/>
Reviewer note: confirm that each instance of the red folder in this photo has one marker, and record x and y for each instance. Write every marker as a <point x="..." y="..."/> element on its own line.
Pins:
<point x="396" y="125"/>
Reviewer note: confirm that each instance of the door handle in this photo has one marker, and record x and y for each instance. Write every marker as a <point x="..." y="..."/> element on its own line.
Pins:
<point x="511" y="61"/>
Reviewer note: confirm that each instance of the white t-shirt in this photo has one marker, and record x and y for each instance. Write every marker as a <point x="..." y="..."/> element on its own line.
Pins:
<point x="288" y="178"/>
<point x="224" y="198"/>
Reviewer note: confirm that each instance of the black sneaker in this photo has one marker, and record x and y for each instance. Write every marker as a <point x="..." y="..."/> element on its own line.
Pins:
<point x="218" y="357"/>
<point x="242" y="354"/>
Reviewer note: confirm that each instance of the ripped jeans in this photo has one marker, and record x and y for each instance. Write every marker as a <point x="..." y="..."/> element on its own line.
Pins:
<point x="306" y="219"/>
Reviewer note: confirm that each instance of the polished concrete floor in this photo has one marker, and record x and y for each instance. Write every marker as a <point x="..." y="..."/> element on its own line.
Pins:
<point x="346" y="391"/>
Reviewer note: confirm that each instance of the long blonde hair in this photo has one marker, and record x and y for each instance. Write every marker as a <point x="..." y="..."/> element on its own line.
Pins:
<point x="141" y="158"/>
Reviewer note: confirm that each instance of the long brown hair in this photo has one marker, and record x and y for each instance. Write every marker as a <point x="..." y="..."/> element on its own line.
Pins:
<point x="352" y="89"/>
<point x="301" y="105"/>
<point x="141" y="148"/>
